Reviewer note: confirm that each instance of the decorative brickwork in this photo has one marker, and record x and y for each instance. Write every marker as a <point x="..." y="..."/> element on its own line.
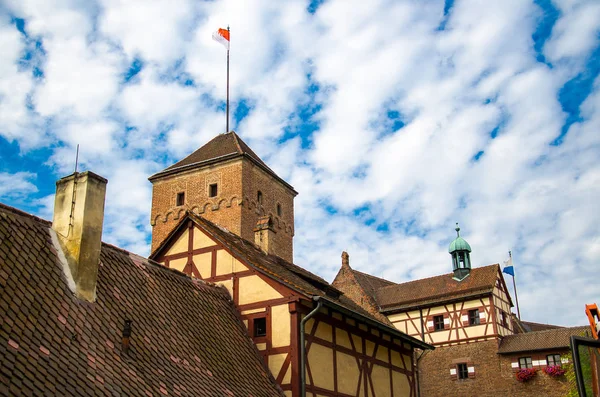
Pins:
<point x="234" y="207"/>
<point x="493" y="374"/>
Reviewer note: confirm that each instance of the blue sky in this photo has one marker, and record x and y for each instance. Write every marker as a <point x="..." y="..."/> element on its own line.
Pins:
<point x="393" y="119"/>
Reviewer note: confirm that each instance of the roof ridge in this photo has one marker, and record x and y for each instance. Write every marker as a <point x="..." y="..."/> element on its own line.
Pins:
<point x="378" y="278"/>
<point x="559" y="329"/>
<point x="236" y="141"/>
<point x="16" y="211"/>
<point x="429" y="278"/>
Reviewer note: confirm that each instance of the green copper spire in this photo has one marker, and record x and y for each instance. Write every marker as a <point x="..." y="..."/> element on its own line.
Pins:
<point x="461" y="258"/>
<point x="459" y="243"/>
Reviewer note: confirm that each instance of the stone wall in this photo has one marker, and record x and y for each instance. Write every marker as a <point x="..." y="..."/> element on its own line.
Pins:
<point x="235" y="207"/>
<point x="493" y="375"/>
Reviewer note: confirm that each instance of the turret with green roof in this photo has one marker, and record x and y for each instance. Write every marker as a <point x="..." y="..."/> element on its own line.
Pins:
<point x="460" y="251"/>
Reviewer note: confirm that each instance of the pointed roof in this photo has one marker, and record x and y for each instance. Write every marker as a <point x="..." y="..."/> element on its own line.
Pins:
<point x="222" y="147"/>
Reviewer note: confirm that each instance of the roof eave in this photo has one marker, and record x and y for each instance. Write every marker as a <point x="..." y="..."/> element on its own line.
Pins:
<point x="443" y="300"/>
<point x="376" y="324"/>
<point x="534" y="350"/>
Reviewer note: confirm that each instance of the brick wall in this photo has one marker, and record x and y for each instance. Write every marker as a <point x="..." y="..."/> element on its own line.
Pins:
<point x="493" y="375"/>
<point x="235" y="207"/>
<point x="273" y="193"/>
<point x="346" y="282"/>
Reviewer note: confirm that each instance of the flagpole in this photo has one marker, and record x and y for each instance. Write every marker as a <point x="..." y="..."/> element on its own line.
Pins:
<point x="227" y="103"/>
<point x="514" y="285"/>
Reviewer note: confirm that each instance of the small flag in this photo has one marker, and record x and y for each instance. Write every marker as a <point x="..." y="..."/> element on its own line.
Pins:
<point x="222" y="36"/>
<point x="508" y="267"/>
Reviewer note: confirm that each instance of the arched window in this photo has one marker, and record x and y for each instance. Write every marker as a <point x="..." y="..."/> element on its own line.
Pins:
<point x="259" y="197"/>
<point x="278" y="209"/>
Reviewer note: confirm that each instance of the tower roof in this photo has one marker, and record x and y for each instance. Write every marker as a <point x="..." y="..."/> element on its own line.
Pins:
<point x="222" y="147"/>
<point x="459" y="243"/>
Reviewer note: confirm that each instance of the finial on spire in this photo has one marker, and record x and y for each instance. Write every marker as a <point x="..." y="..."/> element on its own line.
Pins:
<point x="457" y="230"/>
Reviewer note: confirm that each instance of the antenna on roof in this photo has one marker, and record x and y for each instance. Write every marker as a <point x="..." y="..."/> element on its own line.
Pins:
<point x="76" y="158"/>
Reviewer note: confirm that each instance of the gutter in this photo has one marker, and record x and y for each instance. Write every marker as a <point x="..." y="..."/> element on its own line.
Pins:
<point x="303" y="347"/>
<point x="373" y="323"/>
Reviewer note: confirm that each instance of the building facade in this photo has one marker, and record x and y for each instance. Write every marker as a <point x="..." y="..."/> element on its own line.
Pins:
<point x="480" y="347"/>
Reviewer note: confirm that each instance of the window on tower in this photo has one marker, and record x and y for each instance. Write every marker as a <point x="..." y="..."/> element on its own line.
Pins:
<point x="278" y="209"/>
<point x="213" y="190"/>
<point x="180" y="198"/>
<point x="259" y="197"/>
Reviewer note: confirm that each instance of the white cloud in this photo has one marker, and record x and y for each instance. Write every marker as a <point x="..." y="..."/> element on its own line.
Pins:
<point x="79" y="78"/>
<point x="575" y="32"/>
<point x="155" y="30"/>
<point x="356" y="174"/>
<point x="18" y="185"/>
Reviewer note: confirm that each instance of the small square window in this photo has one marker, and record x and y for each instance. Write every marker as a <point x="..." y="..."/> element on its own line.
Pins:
<point x="553" y="359"/>
<point x="180" y="198"/>
<point x="525" y="362"/>
<point x="260" y="326"/>
<point x="462" y="371"/>
<point x="213" y="190"/>
<point x="438" y="323"/>
<point x="474" y="317"/>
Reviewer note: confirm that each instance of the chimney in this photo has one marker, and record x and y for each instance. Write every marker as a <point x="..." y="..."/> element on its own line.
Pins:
<point x="78" y="218"/>
<point x="264" y="232"/>
<point x="345" y="259"/>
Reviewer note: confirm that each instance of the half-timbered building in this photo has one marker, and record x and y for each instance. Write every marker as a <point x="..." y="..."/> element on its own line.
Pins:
<point x="466" y="315"/>
<point x="221" y="215"/>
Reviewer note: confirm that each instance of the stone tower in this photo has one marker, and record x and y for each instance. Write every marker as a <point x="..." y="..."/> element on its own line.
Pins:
<point x="227" y="183"/>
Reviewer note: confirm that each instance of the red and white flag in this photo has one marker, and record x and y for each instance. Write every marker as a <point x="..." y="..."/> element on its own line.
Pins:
<point x="222" y="36"/>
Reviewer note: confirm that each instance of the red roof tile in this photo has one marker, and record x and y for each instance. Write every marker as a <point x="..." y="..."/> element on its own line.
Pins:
<point x="558" y="338"/>
<point x="437" y="289"/>
<point x="186" y="337"/>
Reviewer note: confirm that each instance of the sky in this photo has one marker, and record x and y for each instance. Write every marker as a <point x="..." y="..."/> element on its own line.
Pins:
<point x="392" y="119"/>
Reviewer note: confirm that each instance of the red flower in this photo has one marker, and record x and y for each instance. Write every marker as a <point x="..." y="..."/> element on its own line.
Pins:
<point x="524" y="374"/>
<point x="554" y="370"/>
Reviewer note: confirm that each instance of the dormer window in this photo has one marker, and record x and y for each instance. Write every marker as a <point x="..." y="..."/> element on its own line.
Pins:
<point x="259" y="197"/>
<point x="180" y="198"/>
<point x="213" y="190"/>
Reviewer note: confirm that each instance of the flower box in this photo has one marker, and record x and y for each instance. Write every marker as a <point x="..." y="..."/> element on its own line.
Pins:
<point x="524" y="374"/>
<point x="554" y="370"/>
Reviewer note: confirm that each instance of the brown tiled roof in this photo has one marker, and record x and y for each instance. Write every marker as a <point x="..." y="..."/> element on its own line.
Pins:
<point x="371" y="284"/>
<point x="289" y="274"/>
<point x="558" y="338"/>
<point x="222" y="147"/>
<point x="532" y="327"/>
<point x="437" y="289"/>
<point x="187" y="338"/>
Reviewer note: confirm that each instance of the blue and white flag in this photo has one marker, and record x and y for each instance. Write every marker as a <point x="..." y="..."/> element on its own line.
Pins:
<point x="508" y="267"/>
